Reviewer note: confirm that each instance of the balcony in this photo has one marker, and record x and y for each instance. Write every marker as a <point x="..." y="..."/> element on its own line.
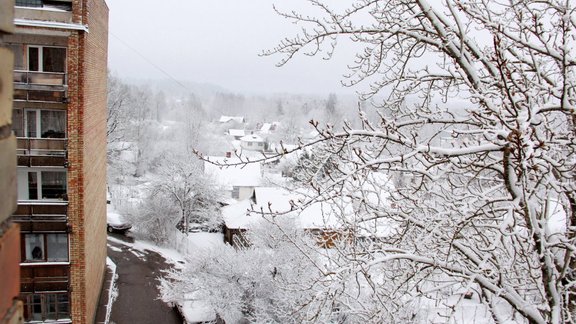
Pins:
<point x="41" y="215"/>
<point x="40" y="86"/>
<point x="41" y="152"/>
<point x="58" y="10"/>
<point x="44" y="277"/>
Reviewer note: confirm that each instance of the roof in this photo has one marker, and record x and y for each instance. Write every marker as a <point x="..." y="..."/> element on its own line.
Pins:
<point x="252" y="138"/>
<point x="236" y="132"/>
<point x="225" y="119"/>
<point x="317" y="215"/>
<point x="280" y="200"/>
<point x="249" y="175"/>
<point x="268" y="127"/>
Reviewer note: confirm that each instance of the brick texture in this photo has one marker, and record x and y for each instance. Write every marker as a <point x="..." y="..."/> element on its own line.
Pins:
<point x="87" y="112"/>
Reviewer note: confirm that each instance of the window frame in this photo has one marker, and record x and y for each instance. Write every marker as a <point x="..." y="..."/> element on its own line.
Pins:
<point x="45" y="249"/>
<point x="44" y="300"/>
<point x="38" y="122"/>
<point x="25" y="187"/>
<point x="40" y="59"/>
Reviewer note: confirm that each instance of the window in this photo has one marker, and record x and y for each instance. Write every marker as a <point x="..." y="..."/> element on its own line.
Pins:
<point x="46" y="306"/>
<point x="29" y="3"/>
<point x="46" y="59"/>
<point x="235" y="192"/>
<point x="249" y="143"/>
<point x="33" y="185"/>
<point x="52" y="247"/>
<point x="39" y="123"/>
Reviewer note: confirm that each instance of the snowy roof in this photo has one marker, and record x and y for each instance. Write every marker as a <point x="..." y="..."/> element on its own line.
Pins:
<point x="236" y="132"/>
<point x="249" y="175"/>
<point x="225" y="119"/>
<point x="317" y="215"/>
<point x="252" y="138"/>
<point x="267" y="127"/>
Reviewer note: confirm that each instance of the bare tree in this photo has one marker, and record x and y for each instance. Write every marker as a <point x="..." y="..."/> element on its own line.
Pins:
<point x="483" y="134"/>
<point x="119" y="98"/>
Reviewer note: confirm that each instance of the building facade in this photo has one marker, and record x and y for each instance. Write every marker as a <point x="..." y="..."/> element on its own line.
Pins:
<point x="11" y="310"/>
<point x="59" y="119"/>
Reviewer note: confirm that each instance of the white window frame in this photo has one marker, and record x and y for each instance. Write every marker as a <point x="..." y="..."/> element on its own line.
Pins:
<point x="23" y="187"/>
<point x="41" y="57"/>
<point x="39" y="121"/>
<point x="45" y="249"/>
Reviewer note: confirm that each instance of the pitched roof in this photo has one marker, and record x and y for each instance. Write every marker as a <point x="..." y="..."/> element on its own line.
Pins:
<point x="249" y="175"/>
<point x="225" y="119"/>
<point x="236" y="132"/>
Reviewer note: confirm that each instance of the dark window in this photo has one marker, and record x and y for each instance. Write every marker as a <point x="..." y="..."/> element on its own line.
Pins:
<point x="33" y="185"/>
<point x="53" y="59"/>
<point x="33" y="58"/>
<point x="50" y="247"/>
<point x="46" y="59"/>
<point x="29" y="3"/>
<point x="53" y="184"/>
<point x="46" y="306"/>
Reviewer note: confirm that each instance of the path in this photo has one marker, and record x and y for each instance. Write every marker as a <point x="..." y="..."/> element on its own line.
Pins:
<point x="137" y="283"/>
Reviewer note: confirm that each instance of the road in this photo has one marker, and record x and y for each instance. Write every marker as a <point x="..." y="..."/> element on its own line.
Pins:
<point x="137" y="283"/>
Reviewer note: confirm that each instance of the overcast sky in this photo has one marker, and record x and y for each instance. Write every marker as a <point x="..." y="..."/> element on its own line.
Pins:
<point x="215" y="42"/>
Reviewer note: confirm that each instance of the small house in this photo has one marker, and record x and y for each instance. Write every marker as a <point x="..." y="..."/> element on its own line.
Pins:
<point x="252" y="142"/>
<point x="238" y="181"/>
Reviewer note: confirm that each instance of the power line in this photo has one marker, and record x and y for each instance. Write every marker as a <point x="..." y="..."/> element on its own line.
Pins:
<point x="156" y="66"/>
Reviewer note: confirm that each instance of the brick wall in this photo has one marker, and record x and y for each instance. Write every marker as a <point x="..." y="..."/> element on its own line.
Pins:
<point x="87" y="112"/>
<point x="76" y="181"/>
<point x="94" y="94"/>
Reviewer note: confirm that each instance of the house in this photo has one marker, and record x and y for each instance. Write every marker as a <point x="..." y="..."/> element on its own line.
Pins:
<point x="11" y="310"/>
<point x="59" y="119"/>
<point x="239" y="181"/>
<point x="236" y="133"/>
<point x="268" y="128"/>
<point x="321" y="219"/>
<point x="253" y="142"/>
<point x="325" y="219"/>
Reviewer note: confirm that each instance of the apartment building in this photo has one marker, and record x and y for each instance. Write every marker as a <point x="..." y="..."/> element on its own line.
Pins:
<point x="59" y="119"/>
<point x="11" y="311"/>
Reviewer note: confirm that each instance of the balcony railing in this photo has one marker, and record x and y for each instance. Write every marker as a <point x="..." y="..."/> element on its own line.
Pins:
<point x="40" y="86"/>
<point x="40" y="152"/>
<point x="40" y="78"/>
<point x="42" y="146"/>
<point x="41" y="210"/>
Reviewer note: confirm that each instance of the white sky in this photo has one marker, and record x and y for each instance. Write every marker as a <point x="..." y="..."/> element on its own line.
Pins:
<point x="215" y="42"/>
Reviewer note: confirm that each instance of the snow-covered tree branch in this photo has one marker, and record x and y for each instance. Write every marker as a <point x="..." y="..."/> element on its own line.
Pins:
<point x="478" y="131"/>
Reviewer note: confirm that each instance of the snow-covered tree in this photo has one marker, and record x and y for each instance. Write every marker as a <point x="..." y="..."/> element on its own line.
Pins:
<point x="264" y="282"/>
<point x="181" y="181"/>
<point x="479" y="122"/>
